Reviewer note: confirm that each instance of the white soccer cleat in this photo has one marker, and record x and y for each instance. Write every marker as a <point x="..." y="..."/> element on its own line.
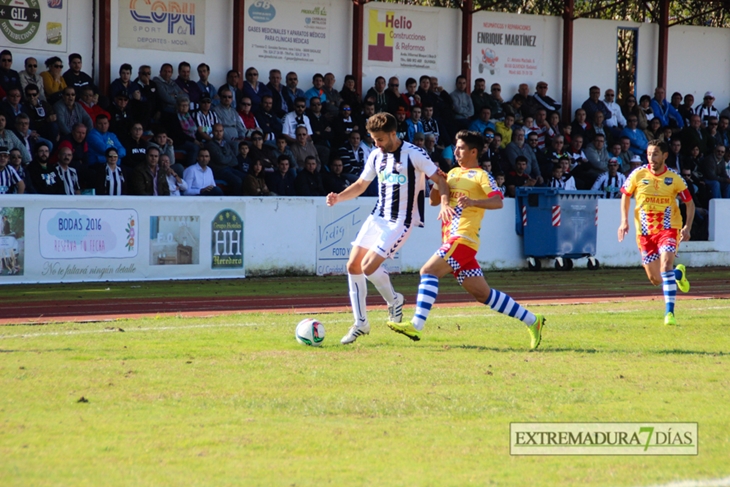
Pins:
<point x="395" y="311"/>
<point x="356" y="331"/>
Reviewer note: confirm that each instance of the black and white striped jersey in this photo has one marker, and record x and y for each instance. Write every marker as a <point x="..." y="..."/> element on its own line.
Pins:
<point x="114" y="182"/>
<point x="401" y="182"/>
<point x="70" y="179"/>
<point x="610" y="185"/>
<point x="9" y="178"/>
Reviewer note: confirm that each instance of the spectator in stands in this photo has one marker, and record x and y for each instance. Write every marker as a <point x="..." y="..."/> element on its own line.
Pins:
<point x="343" y="125"/>
<point x="575" y="151"/>
<point x="148" y="179"/>
<point x="199" y="177"/>
<point x="410" y="98"/>
<point x="443" y="104"/>
<point x="247" y="116"/>
<point x="463" y="106"/>
<point x="542" y="128"/>
<point x="687" y="108"/>
<point x="10" y="140"/>
<point x="68" y="112"/>
<point x="87" y="101"/>
<point x="100" y="139"/>
<point x="554" y="123"/>
<point x="294" y="119"/>
<point x="597" y="127"/>
<point x="540" y="156"/>
<point x="124" y="83"/>
<point x="205" y="118"/>
<point x="41" y="114"/>
<point x="334" y="181"/>
<point x="434" y="152"/>
<point x="145" y="109"/>
<point x="695" y="135"/>
<point x="676" y="100"/>
<point x="255" y="183"/>
<point x="664" y="111"/>
<point x="414" y="124"/>
<point x="430" y="124"/>
<point x="136" y="146"/>
<point x="352" y="156"/>
<point x="258" y="151"/>
<point x="393" y="96"/>
<point x="76" y="141"/>
<point x="597" y="154"/>
<point x="615" y="151"/>
<point x="723" y="136"/>
<point x="303" y="148"/>
<point x="479" y="96"/>
<point x="223" y="161"/>
<point x="322" y="133"/>
<point x="30" y="76"/>
<point x="279" y="104"/>
<point x="53" y="81"/>
<point x="254" y="89"/>
<point x="167" y="90"/>
<point x="555" y="151"/>
<point x="175" y="183"/>
<point x="518" y="177"/>
<point x="317" y="90"/>
<point x="16" y="162"/>
<point x="292" y="91"/>
<point x="42" y="173"/>
<point x="330" y="106"/>
<point x="617" y="121"/>
<point x="267" y="119"/>
<point x="543" y="100"/>
<point x="228" y="116"/>
<point x="308" y="181"/>
<point x="715" y="175"/>
<point x="631" y="107"/>
<point x="712" y="134"/>
<point x="12" y="106"/>
<point x="504" y="129"/>
<point x="350" y="96"/>
<point x="594" y="104"/>
<point x="244" y="163"/>
<point x="184" y="131"/>
<point x="654" y="130"/>
<point x="282" y="148"/>
<point x="110" y="180"/>
<point x="529" y="105"/>
<point x="675" y="160"/>
<point x="9" y="78"/>
<point x="207" y="89"/>
<point x="29" y="138"/>
<point x="10" y="181"/>
<point x="579" y="126"/>
<point x="401" y="130"/>
<point x="165" y="144"/>
<point x="706" y="109"/>
<point x="483" y="122"/>
<point x="75" y="77"/>
<point x="188" y="86"/>
<point x="518" y="147"/>
<point x="636" y="136"/>
<point x="281" y="181"/>
<point x="120" y="117"/>
<point x="233" y="83"/>
<point x="377" y="93"/>
<point x="419" y="140"/>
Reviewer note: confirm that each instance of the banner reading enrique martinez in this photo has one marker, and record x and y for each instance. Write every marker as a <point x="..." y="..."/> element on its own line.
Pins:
<point x="604" y="438"/>
<point x="163" y="25"/>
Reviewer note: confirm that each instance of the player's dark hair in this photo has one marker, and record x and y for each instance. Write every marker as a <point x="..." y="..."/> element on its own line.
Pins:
<point x="472" y="139"/>
<point x="520" y="159"/>
<point x="381" y="122"/>
<point x="659" y="143"/>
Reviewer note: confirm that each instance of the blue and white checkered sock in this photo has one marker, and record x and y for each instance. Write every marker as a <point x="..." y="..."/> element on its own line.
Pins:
<point x="428" y="289"/>
<point x="669" y="287"/>
<point x="504" y="304"/>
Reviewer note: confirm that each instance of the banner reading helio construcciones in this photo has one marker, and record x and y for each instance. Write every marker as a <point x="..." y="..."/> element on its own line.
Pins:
<point x="164" y="25"/>
<point x="297" y="31"/>
<point x="34" y="24"/>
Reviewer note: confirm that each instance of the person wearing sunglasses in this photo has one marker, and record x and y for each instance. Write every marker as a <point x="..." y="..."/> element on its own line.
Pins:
<point x="254" y="89"/>
<point x="30" y="76"/>
<point x="53" y="82"/>
<point x="42" y="116"/>
<point x="706" y="109"/>
<point x="8" y="76"/>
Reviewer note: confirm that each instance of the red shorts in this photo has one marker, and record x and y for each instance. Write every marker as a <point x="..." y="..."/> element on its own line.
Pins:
<point x="651" y="246"/>
<point x="461" y="258"/>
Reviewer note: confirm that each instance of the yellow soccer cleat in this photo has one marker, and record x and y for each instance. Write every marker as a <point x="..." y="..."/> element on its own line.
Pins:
<point x="683" y="283"/>
<point x="536" y="331"/>
<point x="670" y="320"/>
<point x="406" y="329"/>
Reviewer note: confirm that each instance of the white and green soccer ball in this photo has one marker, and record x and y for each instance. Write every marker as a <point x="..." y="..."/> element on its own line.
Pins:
<point x="310" y="332"/>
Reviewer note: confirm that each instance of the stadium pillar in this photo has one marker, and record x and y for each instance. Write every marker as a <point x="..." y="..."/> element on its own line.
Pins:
<point x="568" y="18"/>
<point x="663" y="43"/>
<point x="105" y="45"/>
<point x="467" y="9"/>
<point x="239" y="14"/>
<point x="358" y="14"/>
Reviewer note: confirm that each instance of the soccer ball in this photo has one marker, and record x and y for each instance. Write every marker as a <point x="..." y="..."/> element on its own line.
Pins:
<point x="310" y="332"/>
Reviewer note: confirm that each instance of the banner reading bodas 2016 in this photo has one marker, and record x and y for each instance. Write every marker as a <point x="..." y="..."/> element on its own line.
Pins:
<point x="164" y="25"/>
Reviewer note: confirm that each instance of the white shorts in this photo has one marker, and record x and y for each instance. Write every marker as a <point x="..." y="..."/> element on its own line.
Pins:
<point x="381" y="236"/>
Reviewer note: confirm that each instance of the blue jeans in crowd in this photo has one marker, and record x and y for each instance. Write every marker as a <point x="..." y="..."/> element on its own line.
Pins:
<point x="718" y="189"/>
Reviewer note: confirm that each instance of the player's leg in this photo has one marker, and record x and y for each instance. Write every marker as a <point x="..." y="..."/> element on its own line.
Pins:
<point x="501" y="302"/>
<point x="358" y="290"/>
<point x="391" y="239"/>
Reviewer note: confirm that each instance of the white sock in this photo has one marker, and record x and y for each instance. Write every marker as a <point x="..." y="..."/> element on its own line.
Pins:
<point x="381" y="280"/>
<point x="358" y="293"/>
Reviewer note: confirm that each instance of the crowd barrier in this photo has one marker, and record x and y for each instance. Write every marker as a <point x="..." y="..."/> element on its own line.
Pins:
<point x="127" y="238"/>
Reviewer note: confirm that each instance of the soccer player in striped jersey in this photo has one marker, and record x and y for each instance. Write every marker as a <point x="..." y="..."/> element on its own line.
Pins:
<point x="10" y="180"/>
<point x="67" y="175"/>
<point x="401" y="169"/>
<point x="471" y="191"/>
<point x="658" y="222"/>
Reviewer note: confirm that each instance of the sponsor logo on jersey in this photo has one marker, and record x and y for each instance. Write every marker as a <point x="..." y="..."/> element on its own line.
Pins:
<point x="668" y="181"/>
<point x="471" y="174"/>
<point x="392" y="178"/>
<point x="645" y="181"/>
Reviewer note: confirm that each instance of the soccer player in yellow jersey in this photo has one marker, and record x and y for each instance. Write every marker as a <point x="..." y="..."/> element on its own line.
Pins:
<point x="658" y="221"/>
<point x="471" y="191"/>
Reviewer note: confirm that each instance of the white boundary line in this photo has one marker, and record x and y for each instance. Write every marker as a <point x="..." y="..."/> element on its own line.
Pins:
<point x="724" y="482"/>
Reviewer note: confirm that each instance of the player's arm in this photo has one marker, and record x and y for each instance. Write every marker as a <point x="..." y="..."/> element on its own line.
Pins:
<point x="353" y="191"/>
<point x="435" y="195"/>
<point x="689" y="204"/>
<point x="493" y="202"/>
<point x="623" y="229"/>
<point x="446" y="212"/>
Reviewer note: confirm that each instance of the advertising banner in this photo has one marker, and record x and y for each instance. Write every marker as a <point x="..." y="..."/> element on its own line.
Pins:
<point x="163" y="25"/>
<point x="12" y="241"/>
<point x="337" y="227"/>
<point x="40" y="25"/>
<point x="401" y="37"/>
<point x="288" y="30"/>
<point x="507" y="48"/>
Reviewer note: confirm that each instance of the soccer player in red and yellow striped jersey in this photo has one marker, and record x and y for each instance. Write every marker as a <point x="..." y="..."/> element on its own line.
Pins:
<point x="658" y="221"/>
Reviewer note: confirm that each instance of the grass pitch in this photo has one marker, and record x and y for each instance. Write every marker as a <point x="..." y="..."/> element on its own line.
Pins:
<point x="234" y="400"/>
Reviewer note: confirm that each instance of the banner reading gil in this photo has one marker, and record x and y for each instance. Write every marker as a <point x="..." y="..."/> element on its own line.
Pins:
<point x="163" y="25"/>
<point x="85" y="233"/>
<point x="39" y="25"/>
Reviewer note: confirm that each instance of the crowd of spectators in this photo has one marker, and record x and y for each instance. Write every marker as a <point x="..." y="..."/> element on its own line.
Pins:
<point x="175" y="136"/>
